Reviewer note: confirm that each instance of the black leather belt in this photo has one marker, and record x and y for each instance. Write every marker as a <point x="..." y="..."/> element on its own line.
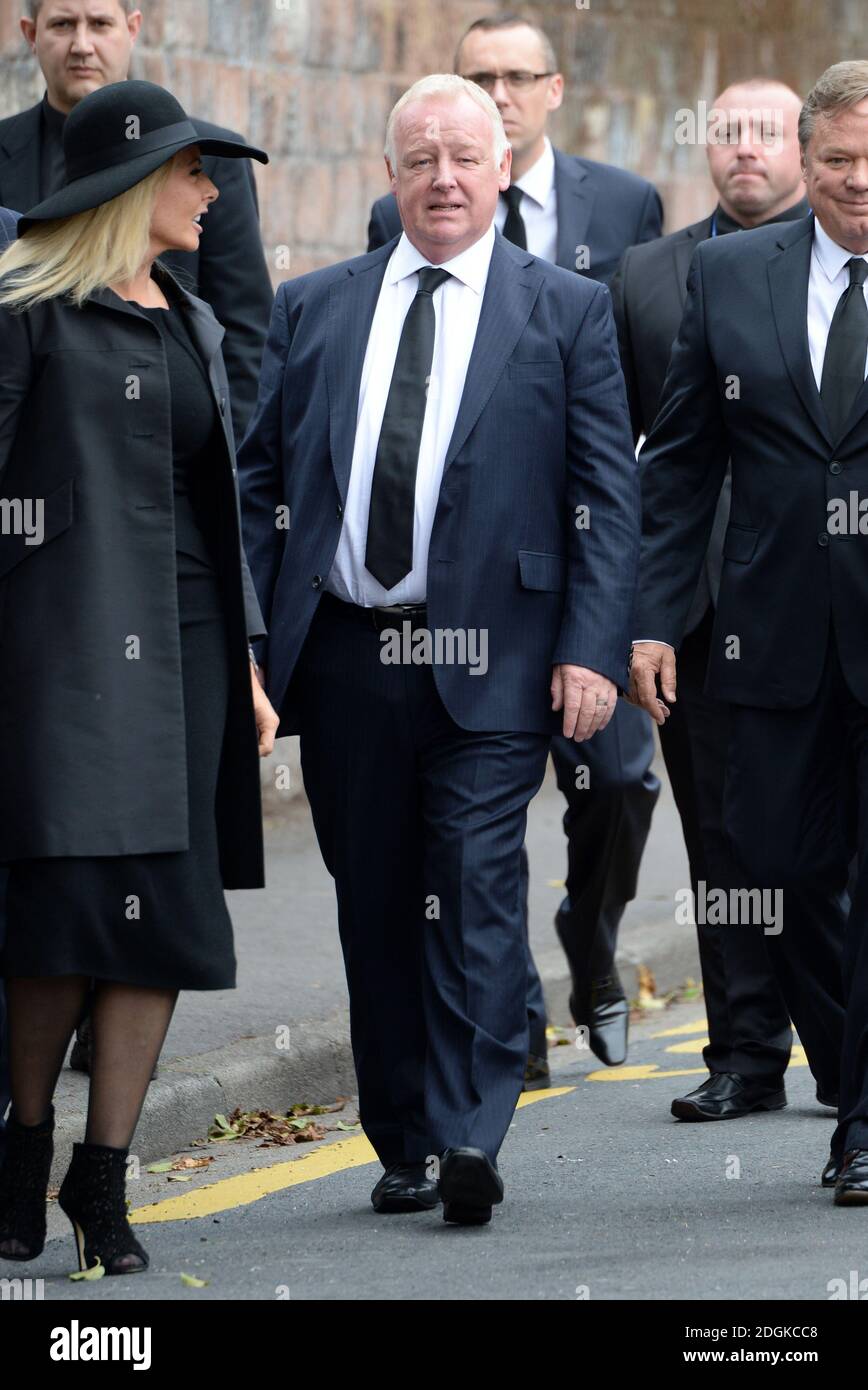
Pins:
<point x="380" y="619"/>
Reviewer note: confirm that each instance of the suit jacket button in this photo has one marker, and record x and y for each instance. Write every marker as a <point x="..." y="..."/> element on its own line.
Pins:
<point x="316" y="582"/>
<point x="836" y="467"/>
<point x="340" y="511"/>
<point x="823" y="538"/>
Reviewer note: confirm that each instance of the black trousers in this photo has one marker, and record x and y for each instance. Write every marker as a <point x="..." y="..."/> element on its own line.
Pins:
<point x="606" y="823"/>
<point x="795" y="805"/>
<point x="748" y="1023"/>
<point x="420" y="823"/>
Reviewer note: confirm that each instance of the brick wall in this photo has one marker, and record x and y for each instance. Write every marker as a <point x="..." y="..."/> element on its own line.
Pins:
<point x="313" y="80"/>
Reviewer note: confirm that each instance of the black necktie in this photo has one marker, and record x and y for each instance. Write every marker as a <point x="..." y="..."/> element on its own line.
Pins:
<point x="846" y="350"/>
<point x="514" y="228"/>
<point x="389" y="552"/>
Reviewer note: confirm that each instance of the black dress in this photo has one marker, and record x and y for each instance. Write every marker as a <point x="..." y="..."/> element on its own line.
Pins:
<point x="156" y="919"/>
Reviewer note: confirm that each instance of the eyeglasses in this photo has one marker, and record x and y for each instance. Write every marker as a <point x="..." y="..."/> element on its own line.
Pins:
<point x="516" y="81"/>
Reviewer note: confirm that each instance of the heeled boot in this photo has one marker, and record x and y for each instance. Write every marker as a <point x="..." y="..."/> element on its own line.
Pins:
<point x="93" y="1196"/>
<point x="23" y="1185"/>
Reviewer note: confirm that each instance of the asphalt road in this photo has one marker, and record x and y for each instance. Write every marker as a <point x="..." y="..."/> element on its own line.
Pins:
<point x="607" y="1198"/>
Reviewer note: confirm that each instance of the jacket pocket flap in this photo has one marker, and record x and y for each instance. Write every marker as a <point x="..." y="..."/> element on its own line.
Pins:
<point x="740" y="543"/>
<point x="43" y="518"/>
<point x="542" y="571"/>
<point x="527" y="371"/>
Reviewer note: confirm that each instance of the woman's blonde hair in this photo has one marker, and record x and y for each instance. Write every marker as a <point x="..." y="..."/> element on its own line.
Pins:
<point x="74" y="256"/>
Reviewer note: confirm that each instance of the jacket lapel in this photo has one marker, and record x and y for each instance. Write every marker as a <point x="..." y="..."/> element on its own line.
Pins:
<point x="510" y="294"/>
<point x="352" y="302"/>
<point x="575" y="195"/>
<point x="683" y="248"/>
<point x="789" y="272"/>
<point x="19" y="171"/>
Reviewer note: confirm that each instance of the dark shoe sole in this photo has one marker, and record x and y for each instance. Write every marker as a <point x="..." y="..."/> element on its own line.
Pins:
<point x="538" y="1083"/>
<point x="468" y="1190"/>
<point x="686" y="1110"/>
<point x="460" y="1215"/>
<point x="851" y="1197"/>
<point x="389" y="1206"/>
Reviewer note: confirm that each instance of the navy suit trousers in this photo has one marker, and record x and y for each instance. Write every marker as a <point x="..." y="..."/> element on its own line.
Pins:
<point x="421" y="824"/>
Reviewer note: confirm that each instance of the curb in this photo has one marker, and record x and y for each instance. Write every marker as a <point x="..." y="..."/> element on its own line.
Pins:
<point x="189" y="1091"/>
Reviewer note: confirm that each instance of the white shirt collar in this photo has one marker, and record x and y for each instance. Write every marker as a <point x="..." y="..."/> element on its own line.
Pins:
<point x="831" y="256"/>
<point x="539" y="179"/>
<point x="470" y="266"/>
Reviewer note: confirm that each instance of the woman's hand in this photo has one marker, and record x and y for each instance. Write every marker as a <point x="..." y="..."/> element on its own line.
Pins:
<point x="266" y="719"/>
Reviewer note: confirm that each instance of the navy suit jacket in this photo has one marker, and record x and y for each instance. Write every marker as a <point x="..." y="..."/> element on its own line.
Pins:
<point x="599" y="207"/>
<point x="542" y="429"/>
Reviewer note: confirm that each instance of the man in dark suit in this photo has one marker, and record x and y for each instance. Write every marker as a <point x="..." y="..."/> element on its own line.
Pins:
<point x="756" y="170"/>
<point x="769" y="370"/>
<point x="433" y="419"/>
<point x="85" y="44"/>
<point x="581" y="215"/>
<point x="8" y="223"/>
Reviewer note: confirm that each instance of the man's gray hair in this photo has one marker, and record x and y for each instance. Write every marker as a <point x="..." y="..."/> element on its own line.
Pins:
<point x="841" y="86"/>
<point x="448" y="84"/>
<point x="36" y="5"/>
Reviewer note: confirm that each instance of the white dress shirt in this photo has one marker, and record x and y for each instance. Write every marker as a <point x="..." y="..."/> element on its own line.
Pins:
<point x="539" y="206"/>
<point x="828" y="280"/>
<point x="457" y="304"/>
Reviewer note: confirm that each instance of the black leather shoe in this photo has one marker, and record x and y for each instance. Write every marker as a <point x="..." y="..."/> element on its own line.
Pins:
<point x="831" y="1173"/>
<point x="851" y="1189"/>
<point x="829" y="1098"/>
<point x="469" y="1186"/>
<point x="405" y="1187"/>
<point x="608" y="1021"/>
<point x="728" y="1096"/>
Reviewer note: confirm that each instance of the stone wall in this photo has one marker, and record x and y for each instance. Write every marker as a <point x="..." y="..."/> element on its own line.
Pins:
<point x="313" y="80"/>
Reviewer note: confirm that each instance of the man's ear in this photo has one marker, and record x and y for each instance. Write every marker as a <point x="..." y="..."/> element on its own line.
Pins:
<point x="28" y="29"/>
<point x="389" y="169"/>
<point x="134" y="24"/>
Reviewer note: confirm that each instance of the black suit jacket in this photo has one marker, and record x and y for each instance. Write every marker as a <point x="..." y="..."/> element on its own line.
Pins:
<point x="228" y="271"/>
<point x="740" y="386"/>
<point x="649" y="290"/>
<point x="600" y="207"/>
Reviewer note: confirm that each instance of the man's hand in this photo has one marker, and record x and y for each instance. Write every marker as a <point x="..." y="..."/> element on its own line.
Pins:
<point x="266" y="718"/>
<point x="651" y="659"/>
<point x="587" y="699"/>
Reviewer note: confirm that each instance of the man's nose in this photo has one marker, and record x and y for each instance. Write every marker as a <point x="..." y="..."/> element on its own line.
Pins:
<point x="82" y="43"/>
<point x="445" y="173"/>
<point x="858" y="175"/>
<point x="500" y="93"/>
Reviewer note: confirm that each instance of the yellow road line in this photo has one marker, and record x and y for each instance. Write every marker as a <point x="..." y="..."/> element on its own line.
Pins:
<point x="245" y="1188"/>
<point x="699" y="1025"/>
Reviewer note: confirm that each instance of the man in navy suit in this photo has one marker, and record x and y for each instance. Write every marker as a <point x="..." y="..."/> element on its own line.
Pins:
<point x="441" y="514"/>
<point x="8" y="223"/>
<point x="581" y="215"/>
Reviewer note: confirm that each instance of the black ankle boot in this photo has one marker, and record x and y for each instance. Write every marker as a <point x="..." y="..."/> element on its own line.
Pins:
<point x="93" y="1196"/>
<point x="23" y="1185"/>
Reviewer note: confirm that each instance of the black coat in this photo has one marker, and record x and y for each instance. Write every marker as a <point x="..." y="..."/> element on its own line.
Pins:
<point x="600" y="207"/>
<point x="740" y="386"/>
<point x="228" y="270"/>
<point x="648" y="294"/>
<point x="92" y="743"/>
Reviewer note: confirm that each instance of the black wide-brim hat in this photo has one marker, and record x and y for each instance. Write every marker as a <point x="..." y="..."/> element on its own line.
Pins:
<point x="114" y="137"/>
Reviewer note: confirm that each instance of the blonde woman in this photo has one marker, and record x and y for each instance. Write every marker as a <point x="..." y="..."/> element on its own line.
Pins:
<point x="130" y="710"/>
